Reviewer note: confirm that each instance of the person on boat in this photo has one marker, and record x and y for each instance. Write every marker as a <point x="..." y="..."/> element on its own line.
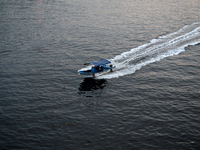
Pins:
<point x="101" y="68"/>
<point x="97" y="68"/>
<point x="93" y="69"/>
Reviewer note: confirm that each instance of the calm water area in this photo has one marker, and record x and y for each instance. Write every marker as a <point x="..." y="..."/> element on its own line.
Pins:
<point x="151" y="100"/>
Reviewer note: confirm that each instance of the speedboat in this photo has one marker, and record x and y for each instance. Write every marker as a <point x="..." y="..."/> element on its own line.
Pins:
<point x="96" y="69"/>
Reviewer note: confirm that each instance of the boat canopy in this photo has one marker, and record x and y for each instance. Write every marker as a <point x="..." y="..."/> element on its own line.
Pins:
<point x="99" y="63"/>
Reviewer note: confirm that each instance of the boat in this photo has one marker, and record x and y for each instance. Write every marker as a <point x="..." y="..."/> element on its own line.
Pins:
<point x="96" y="69"/>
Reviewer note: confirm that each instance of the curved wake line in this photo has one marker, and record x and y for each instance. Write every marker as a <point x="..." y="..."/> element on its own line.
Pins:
<point x="158" y="49"/>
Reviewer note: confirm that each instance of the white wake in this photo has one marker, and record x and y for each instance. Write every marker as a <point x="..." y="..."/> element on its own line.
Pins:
<point x="165" y="46"/>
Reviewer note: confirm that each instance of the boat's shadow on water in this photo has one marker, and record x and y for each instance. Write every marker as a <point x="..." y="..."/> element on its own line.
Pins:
<point x="91" y="92"/>
<point x="89" y="84"/>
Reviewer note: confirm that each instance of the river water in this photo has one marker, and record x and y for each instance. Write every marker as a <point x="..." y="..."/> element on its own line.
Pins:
<point x="151" y="100"/>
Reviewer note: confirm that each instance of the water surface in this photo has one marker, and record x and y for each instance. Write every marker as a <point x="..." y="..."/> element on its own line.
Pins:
<point x="150" y="102"/>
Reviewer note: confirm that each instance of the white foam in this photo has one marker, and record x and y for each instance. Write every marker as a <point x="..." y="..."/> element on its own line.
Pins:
<point x="158" y="49"/>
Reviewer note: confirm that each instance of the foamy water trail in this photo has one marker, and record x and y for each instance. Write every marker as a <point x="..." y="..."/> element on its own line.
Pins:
<point x="165" y="46"/>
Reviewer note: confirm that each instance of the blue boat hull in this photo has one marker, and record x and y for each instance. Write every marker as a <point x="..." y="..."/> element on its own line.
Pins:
<point x="90" y="74"/>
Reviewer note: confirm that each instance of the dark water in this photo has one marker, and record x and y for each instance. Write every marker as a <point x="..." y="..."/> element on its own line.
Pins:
<point x="152" y="100"/>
